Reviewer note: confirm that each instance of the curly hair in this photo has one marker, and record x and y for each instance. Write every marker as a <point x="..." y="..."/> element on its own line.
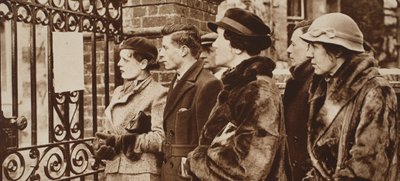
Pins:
<point x="184" y="34"/>
<point x="303" y="25"/>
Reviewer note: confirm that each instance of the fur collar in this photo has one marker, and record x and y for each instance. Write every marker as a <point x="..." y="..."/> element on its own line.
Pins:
<point x="302" y="71"/>
<point x="347" y="81"/>
<point x="247" y="71"/>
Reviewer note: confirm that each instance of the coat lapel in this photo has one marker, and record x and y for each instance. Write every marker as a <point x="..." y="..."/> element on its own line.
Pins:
<point x="186" y="83"/>
<point x="116" y="99"/>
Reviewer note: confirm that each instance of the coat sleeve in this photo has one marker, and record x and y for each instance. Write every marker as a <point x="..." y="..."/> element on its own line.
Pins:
<point x="206" y="101"/>
<point x="243" y="151"/>
<point x="375" y="138"/>
<point x="152" y="141"/>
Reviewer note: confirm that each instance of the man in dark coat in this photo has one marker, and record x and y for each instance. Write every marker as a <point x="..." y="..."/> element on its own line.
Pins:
<point x="295" y="101"/>
<point x="243" y="138"/>
<point x="191" y="96"/>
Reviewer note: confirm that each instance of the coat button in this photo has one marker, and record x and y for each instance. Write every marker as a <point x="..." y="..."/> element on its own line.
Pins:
<point x="171" y="133"/>
<point x="294" y="163"/>
<point x="295" y="139"/>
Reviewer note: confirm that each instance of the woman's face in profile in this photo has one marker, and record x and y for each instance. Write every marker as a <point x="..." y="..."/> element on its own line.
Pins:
<point x="223" y="50"/>
<point x="321" y="60"/>
<point x="128" y="65"/>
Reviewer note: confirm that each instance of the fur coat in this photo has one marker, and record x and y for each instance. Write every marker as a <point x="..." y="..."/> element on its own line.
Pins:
<point x="353" y="126"/>
<point x="244" y="136"/>
<point x="127" y="101"/>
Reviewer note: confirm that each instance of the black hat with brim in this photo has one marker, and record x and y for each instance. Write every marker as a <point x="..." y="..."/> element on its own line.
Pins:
<point x="242" y="22"/>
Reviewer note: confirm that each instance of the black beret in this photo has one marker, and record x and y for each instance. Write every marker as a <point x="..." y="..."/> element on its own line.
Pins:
<point x="140" y="44"/>
<point x="242" y="22"/>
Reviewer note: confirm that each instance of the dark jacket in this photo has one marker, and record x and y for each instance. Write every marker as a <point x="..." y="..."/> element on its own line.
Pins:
<point x="295" y="102"/>
<point x="187" y="109"/>
<point x="245" y="128"/>
<point x="361" y="140"/>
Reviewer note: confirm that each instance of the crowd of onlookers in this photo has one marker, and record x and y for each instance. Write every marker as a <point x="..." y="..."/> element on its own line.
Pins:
<point x="223" y="117"/>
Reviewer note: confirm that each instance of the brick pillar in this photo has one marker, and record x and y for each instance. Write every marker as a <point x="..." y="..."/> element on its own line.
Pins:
<point x="147" y="17"/>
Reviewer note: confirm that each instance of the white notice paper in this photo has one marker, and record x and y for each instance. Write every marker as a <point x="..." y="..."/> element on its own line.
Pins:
<point x="68" y="61"/>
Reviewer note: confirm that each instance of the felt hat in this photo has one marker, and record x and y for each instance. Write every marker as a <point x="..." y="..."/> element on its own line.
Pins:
<point x="338" y="29"/>
<point x="242" y="22"/>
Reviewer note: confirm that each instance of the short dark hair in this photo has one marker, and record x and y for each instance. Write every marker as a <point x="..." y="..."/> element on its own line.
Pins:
<point x="151" y="63"/>
<point x="251" y="44"/>
<point x="184" y="34"/>
<point x="335" y="49"/>
<point x="303" y="25"/>
<point x="206" y="47"/>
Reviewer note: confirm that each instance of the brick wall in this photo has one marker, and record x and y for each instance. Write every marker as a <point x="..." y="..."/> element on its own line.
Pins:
<point x="100" y="80"/>
<point x="147" y="17"/>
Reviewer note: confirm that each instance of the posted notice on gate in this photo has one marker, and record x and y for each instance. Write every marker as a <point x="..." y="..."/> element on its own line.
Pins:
<point x="68" y="61"/>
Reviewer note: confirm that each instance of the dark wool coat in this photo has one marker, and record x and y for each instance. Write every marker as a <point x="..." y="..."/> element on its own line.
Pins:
<point x="295" y="103"/>
<point x="245" y="128"/>
<point x="361" y="141"/>
<point x="187" y="109"/>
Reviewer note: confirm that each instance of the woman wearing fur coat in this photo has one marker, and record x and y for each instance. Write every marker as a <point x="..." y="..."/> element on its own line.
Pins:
<point x="134" y="127"/>
<point x="243" y="137"/>
<point x="352" y="127"/>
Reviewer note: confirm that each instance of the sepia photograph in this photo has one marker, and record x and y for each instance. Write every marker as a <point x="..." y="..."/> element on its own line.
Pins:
<point x="201" y="90"/>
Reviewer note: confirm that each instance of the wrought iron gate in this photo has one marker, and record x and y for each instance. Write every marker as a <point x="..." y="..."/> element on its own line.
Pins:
<point x="65" y="154"/>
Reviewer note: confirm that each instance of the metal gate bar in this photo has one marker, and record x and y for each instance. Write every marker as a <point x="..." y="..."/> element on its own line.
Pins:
<point x="106" y="69"/>
<point x="50" y="88"/>
<point x="1" y="73"/>
<point x="67" y="153"/>
<point x="14" y="64"/>
<point x="94" y="81"/>
<point x="33" y="84"/>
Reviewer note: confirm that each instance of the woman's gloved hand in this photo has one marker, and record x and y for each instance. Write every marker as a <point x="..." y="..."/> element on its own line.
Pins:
<point x="105" y="153"/>
<point x="124" y="143"/>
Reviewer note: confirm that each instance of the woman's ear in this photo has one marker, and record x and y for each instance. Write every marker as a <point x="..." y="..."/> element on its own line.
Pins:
<point x="339" y="54"/>
<point x="237" y="51"/>
<point x="143" y="64"/>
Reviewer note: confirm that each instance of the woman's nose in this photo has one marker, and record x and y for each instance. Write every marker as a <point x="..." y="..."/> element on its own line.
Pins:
<point x="309" y="53"/>
<point x="289" y="49"/>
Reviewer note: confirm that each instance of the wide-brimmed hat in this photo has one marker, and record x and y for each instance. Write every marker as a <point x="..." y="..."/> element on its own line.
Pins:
<point x="208" y="38"/>
<point x="242" y="22"/>
<point x="338" y="29"/>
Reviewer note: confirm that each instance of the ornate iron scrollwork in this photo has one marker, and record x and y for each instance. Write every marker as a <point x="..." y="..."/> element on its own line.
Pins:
<point x="69" y="153"/>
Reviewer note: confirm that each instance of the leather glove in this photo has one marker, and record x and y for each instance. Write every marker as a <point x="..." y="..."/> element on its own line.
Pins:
<point x="105" y="152"/>
<point x="110" y="140"/>
<point x="128" y="142"/>
<point x="124" y="143"/>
